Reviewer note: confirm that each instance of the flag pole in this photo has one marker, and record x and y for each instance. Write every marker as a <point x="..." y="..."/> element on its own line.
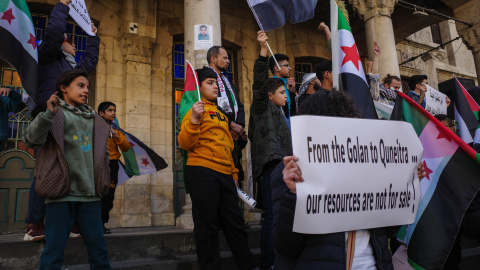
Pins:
<point x="276" y="62"/>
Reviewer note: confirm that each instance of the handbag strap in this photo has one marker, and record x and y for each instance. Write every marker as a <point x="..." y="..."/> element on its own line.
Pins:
<point x="350" y="248"/>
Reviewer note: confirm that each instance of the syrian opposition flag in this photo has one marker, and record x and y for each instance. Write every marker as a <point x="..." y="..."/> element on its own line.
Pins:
<point x="348" y="73"/>
<point x="18" y="45"/>
<point x="272" y="14"/>
<point x="466" y="112"/>
<point x="451" y="183"/>
<point x="139" y="159"/>
<point x="191" y="91"/>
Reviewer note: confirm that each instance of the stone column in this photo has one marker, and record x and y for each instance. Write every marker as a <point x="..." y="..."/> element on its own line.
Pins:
<point x="198" y="12"/>
<point x="471" y="38"/>
<point x="379" y="28"/>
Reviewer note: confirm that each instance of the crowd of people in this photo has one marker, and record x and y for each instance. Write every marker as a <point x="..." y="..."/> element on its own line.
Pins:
<point x="78" y="152"/>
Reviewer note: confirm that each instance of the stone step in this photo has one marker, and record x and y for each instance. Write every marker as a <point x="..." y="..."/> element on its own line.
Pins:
<point x="185" y="262"/>
<point x="126" y="246"/>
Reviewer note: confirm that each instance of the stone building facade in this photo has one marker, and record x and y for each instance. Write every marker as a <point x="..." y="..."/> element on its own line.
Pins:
<point x="138" y="72"/>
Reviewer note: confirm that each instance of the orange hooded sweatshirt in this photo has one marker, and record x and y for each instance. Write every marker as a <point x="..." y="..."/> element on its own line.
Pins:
<point x="209" y="143"/>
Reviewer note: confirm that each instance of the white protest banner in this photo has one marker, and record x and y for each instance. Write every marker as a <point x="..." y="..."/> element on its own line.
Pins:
<point x="79" y="12"/>
<point x="384" y="111"/>
<point x="203" y="36"/>
<point x="435" y="101"/>
<point x="358" y="173"/>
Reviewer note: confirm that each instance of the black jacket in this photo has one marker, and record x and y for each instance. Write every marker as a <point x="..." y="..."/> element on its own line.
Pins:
<point x="267" y="129"/>
<point x="314" y="251"/>
<point x="51" y="60"/>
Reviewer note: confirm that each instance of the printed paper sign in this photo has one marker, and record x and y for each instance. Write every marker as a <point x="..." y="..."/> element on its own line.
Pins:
<point x="435" y="101"/>
<point x="203" y="36"/>
<point x="79" y="12"/>
<point x="358" y="173"/>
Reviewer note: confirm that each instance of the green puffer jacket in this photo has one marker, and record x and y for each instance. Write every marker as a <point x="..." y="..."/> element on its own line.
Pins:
<point x="267" y="130"/>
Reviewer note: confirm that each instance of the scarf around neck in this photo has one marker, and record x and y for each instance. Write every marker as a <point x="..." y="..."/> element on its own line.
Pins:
<point x="222" y="99"/>
<point x="84" y="110"/>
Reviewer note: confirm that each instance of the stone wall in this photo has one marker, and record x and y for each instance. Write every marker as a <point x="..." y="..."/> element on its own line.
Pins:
<point x="135" y="72"/>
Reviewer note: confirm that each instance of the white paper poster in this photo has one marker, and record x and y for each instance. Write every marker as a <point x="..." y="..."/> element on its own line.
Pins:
<point x="435" y="101"/>
<point x="203" y="36"/>
<point x="79" y="12"/>
<point x="358" y="173"/>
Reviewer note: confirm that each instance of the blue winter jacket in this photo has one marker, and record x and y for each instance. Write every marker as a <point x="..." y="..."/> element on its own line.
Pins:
<point x="314" y="251"/>
<point x="12" y="103"/>
<point x="51" y="60"/>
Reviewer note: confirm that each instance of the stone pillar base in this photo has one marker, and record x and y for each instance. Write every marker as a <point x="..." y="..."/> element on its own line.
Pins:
<point x="185" y="220"/>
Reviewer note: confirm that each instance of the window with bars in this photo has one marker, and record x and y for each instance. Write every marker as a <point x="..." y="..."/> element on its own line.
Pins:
<point x="11" y="79"/>
<point x="300" y="70"/>
<point x="74" y="32"/>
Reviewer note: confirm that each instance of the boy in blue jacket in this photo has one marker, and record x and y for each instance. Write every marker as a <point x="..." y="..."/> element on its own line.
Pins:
<point x="10" y="101"/>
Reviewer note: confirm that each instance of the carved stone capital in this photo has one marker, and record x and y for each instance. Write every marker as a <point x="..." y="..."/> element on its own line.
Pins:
<point x="372" y="8"/>
<point x="471" y="38"/>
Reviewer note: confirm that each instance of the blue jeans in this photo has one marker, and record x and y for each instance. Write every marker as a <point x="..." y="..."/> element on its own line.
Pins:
<point x="268" y="253"/>
<point x="59" y="222"/>
<point x="36" y="205"/>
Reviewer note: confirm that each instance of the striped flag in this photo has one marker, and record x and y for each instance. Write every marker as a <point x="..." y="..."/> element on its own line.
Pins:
<point x="139" y="159"/>
<point x="271" y="14"/>
<point x="466" y="112"/>
<point x="191" y="91"/>
<point x="452" y="181"/>
<point x="18" y="44"/>
<point x="346" y="64"/>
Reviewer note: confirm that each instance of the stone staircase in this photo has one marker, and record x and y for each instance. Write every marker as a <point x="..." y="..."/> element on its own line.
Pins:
<point x="128" y="248"/>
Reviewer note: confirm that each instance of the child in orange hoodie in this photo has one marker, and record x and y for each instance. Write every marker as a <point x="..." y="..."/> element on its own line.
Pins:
<point x="211" y="176"/>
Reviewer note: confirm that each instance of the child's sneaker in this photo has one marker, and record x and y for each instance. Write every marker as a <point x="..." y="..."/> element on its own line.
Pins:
<point x="75" y="233"/>
<point x="35" y="232"/>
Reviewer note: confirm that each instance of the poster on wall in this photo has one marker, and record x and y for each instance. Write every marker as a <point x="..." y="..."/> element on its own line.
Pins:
<point x="203" y="36"/>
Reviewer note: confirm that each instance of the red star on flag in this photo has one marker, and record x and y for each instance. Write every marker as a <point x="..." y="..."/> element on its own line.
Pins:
<point x="427" y="170"/>
<point x="351" y="54"/>
<point x="442" y="135"/>
<point x="8" y="15"/>
<point x="32" y="41"/>
<point x="145" y="162"/>
<point x="131" y="144"/>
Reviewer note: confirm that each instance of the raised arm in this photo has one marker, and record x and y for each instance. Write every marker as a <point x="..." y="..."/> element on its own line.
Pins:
<point x="260" y="77"/>
<point x="52" y="41"/>
<point x="89" y="62"/>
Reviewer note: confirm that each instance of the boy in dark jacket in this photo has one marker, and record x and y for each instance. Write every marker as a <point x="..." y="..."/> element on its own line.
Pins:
<point x="269" y="135"/>
<point x="56" y="52"/>
<point x="10" y="101"/>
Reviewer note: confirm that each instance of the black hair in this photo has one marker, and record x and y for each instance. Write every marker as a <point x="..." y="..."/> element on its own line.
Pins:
<point x="441" y="117"/>
<point x="388" y="80"/>
<point x="203" y="26"/>
<point x="273" y="84"/>
<point x="416" y="79"/>
<point x="320" y="68"/>
<point x="205" y="73"/>
<point x="105" y="105"/>
<point x="329" y="103"/>
<point x="279" y="57"/>
<point x="65" y="79"/>
<point x="213" y="51"/>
